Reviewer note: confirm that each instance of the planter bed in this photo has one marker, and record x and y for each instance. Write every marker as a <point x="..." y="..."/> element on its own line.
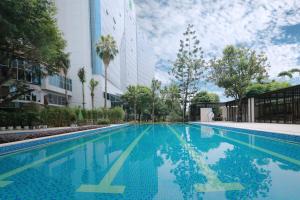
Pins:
<point x="12" y="137"/>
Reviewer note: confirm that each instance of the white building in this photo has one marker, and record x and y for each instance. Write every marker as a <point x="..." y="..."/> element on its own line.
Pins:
<point x="82" y="22"/>
<point x="146" y="59"/>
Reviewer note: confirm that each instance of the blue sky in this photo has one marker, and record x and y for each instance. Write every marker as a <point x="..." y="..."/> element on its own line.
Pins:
<point x="269" y="26"/>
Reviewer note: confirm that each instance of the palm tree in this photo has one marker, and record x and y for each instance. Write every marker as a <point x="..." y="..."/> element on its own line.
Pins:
<point x="93" y="85"/>
<point x="289" y="73"/>
<point x="65" y="66"/>
<point x="81" y="76"/>
<point x="106" y="49"/>
<point x="155" y="86"/>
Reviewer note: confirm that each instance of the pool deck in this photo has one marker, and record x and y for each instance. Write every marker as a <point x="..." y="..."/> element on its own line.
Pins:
<point x="291" y="129"/>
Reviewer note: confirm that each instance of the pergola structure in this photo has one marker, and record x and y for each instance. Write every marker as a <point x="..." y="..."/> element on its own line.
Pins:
<point x="279" y="106"/>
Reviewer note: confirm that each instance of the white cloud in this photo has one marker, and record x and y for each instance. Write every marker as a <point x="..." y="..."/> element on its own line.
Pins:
<point x="254" y="23"/>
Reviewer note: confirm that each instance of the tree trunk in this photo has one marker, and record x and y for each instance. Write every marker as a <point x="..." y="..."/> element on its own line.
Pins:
<point x="92" y="102"/>
<point x="153" y="111"/>
<point x="66" y="92"/>
<point x="105" y="95"/>
<point x="134" y="110"/>
<point x="83" y="96"/>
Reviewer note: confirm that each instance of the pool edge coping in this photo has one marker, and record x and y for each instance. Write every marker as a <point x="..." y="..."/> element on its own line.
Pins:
<point x="276" y="134"/>
<point x="12" y="147"/>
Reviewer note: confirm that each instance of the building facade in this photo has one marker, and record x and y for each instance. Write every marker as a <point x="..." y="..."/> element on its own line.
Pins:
<point x="82" y="23"/>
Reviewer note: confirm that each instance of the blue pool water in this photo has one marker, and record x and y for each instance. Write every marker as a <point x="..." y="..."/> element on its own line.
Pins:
<point x="175" y="161"/>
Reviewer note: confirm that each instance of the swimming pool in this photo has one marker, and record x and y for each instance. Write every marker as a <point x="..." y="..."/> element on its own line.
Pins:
<point x="161" y="161"/>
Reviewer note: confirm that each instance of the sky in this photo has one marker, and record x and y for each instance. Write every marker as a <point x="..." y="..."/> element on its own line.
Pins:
<point x="269" y="26"/>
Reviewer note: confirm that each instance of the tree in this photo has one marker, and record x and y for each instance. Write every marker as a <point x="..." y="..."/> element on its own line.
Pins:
<point x="235" y="71"/>
<point x="28" y="30"/>
<point x="138" y="98"/>
<point x="187" y="69"/>
<point x="64" y="62"/>
<point x="82" y="78"/>
<point x="208" y="97"/>
<point x="257" y="88"/>
<point x="106" y="49"/>
<point x="143" y="104"/>
<point x="155" y="86"/>
<point x="205" y="97"/>
<point x="130" y="97"/>
<point x="289" y="73"/>
<point x="93" y="85"/>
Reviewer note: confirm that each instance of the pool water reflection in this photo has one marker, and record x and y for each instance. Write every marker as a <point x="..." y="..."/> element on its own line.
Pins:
<point x="175" y="161"/>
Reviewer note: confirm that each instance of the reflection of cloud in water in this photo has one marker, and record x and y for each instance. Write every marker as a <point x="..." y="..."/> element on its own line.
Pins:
<point x="214" y="155"/>
<point x="206" y="132"/>
<point x="188" y="136"/>
<point x="279" y="176"/>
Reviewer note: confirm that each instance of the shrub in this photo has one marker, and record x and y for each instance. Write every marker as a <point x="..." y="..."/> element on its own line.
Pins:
<point x="116" y="114"/>
<point x="174" y="117"/>
<point x="103" y="121"/>
<point x="30" y="118"/>
<point x="3" y="119"/>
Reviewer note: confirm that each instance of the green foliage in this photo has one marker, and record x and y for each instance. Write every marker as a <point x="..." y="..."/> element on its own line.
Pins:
<point x="205" y="97"/>
<point x="116" y="115"/>
<point x="107" y="49"/>
<point x="82" y="77"/>
<point x="235" y="71"/>
<point x="289" y="73"/>
<point x="174" y="117"/>
<point x="258" y="88"/>
<point x="93" y="85"/>
<point x="3" y="119"/>
<point x="188" y="67"/>
<point x="103" y="121"/>
<point x="139" y="101"/>
<point x="29" y="27"/>
<point x="58" y="117"/>
<point x="155" y="87"/>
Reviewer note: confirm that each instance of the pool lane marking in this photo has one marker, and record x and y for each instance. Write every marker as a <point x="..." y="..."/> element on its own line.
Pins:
<point x="272" y="153"/>
<point x="8" y="174"/>
<point x="105" y="185"/>
<point x="213" y="183"/>
<point x="259" y="136"/>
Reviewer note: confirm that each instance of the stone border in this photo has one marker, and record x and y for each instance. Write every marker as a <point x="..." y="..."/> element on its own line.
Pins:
<point x="277" y="135"/>
<point x="12" y="147"/>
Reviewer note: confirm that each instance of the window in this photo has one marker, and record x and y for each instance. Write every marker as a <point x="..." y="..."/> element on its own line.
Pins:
<point x="56" y="99"/>
<point x="59" y="81"/>
<point x="114" y="20"/>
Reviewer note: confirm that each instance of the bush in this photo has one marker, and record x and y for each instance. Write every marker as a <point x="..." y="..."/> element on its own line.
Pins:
<point x="30" y="118"/>
<point x="174" y="117"/>
<point x="3" y="119"/>
<point x="116" y="114"/>
<point x="103" y="121"/>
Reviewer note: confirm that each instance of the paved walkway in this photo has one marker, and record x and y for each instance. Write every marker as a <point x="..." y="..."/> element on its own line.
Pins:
<point x="34" y="130"/>
<point x="293" y="129"/>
